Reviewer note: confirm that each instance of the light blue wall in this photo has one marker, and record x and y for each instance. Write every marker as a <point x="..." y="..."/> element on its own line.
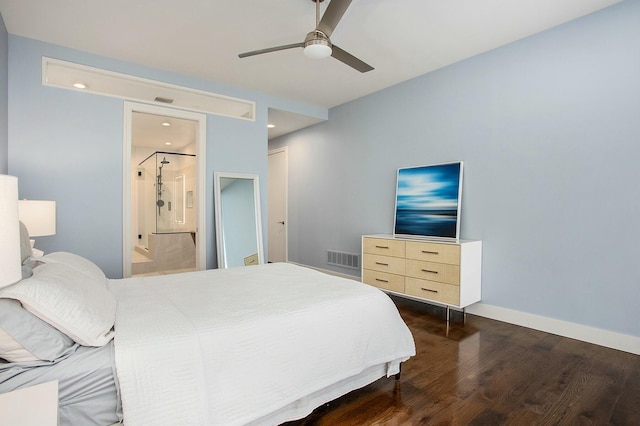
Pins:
<point x="549" y="130"/>
<point x="4" y="70"/>
<point x="67" y="146"/>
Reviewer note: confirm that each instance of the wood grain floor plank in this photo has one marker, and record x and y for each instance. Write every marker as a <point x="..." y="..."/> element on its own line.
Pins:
<point x="487" y="372"/>
<point x="626" y="410"/>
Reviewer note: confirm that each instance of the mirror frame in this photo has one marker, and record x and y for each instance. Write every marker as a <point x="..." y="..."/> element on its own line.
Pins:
<point x="219" y="219"/>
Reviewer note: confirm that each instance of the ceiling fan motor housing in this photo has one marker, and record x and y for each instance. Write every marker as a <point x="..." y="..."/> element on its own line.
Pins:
<point x="317" y="37"/>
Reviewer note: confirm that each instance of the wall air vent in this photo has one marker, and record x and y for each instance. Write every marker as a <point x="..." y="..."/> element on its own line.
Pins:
<point x="347" y="260"/>
<point x="164" y="100"/>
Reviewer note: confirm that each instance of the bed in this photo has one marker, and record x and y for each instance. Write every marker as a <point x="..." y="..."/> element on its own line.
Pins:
<point x="250" y="345"/>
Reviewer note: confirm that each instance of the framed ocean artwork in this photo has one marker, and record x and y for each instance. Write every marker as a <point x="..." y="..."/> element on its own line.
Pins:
<point x="428" y="201"/>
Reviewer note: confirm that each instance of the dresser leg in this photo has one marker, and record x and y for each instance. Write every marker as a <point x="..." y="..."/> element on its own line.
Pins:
<point x="464" y="316"/>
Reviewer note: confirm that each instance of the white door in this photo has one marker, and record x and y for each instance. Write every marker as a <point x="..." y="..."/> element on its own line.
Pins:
<point x="277" y="205"/>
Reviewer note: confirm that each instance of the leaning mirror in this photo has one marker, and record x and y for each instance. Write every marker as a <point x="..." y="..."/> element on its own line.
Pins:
<point x="238" y="224"/>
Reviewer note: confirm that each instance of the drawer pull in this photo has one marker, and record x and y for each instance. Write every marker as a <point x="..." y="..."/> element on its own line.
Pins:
<point x="383" y="247"/>
<point x="430" y="252"/>
<point x="429" y="290"/>
<point x="383" y="264"/>
<point x="381" y="280"/>
<point x="429" y="271"/>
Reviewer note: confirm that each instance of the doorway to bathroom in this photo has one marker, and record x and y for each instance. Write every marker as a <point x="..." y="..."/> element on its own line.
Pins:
<point x="164" y="229"/>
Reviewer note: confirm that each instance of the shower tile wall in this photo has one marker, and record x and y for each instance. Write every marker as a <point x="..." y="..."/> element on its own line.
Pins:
<point x="166" y="252"/>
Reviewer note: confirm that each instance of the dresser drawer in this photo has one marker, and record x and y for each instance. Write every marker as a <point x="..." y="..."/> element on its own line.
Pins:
<point x="433" y="252"/>
<point x="383" y="247"/>
<point x="432" y="271"/>
<point x="392" y="265"/>
<point x="383" y="280"/>
<point x="438" y="292"/>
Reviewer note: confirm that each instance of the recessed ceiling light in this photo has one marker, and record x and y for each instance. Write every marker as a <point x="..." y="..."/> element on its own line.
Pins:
<point x="167" y="143"/>
<point x="166" y="123"/>
<point x="271" y="126"/>
<point x="79" y="85"/>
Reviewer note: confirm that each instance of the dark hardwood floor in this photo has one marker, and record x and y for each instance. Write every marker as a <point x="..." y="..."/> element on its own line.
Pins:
<point x="493" y="373"/>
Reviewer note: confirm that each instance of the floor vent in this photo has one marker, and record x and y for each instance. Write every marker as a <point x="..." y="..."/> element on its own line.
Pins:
<point x="339" y="258"/>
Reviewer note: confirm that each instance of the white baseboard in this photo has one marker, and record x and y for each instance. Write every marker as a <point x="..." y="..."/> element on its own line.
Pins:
<point x="610" y="339"/>
<point x="597" y="336"/>
<point x="327" y="271"/>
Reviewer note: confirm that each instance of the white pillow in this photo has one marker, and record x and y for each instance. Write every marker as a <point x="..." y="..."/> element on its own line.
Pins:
<point x="68" y="300"/>
<point x="77" y="262"/>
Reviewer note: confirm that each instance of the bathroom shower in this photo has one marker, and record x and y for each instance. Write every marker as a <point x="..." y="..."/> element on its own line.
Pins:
<point x="165" y="178"/>
<point x="165" y="218"/>
<point x="160" y="202"/>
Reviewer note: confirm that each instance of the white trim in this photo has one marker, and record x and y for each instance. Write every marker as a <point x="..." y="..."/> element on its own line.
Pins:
<point x="127" y="247"/>
<point x="285" y="151"/>
<point x="63" y="74"/>
<point x="201" y="138"/>
<point x="610" y="339"/>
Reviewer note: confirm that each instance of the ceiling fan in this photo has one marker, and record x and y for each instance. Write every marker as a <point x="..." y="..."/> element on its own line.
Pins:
<point x="317" y="43"/>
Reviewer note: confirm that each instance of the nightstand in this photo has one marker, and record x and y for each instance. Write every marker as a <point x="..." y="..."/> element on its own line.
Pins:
<point x="33" y="406"/>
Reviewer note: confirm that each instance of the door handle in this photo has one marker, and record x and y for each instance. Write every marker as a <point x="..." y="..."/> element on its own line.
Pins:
<point x="281" y="222"/>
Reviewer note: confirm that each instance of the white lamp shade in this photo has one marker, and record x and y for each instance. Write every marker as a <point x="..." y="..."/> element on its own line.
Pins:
<point x="38" y="216"/>
<point x="10" y="267"/>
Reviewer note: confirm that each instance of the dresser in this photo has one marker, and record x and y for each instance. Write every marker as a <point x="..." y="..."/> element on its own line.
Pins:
<point x="438" y="271"/>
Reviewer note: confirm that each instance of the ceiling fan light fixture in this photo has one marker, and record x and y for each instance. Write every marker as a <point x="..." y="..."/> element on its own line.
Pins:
<point x="317" y="45"/>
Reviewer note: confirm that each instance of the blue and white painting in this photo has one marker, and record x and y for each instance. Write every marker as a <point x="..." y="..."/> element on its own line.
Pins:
<point x="428" y="200"/>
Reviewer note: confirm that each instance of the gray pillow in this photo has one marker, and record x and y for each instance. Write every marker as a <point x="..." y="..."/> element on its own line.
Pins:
<point x="25" y="244"/>
<point x="26" y="338"/>
<point x="69" y="300"/>
<point x="26" y="252"/>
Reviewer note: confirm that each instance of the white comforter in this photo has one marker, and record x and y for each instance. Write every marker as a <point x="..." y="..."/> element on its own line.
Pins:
<point x="231" y="346"/>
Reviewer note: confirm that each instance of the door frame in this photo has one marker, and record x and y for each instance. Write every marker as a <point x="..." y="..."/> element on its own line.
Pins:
<point x="201" y="137"/>
<point x="284" y="151"/>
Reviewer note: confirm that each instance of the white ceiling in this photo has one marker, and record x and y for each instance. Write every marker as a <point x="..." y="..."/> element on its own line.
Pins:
<point x="148" y="131"/>
<point x="401" y="39"/>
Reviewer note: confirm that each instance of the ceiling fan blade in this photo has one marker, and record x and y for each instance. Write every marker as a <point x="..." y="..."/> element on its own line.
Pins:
<point x="270" y="49"/>
<point x="332" y="16"/>
<point x="350" y="60"/>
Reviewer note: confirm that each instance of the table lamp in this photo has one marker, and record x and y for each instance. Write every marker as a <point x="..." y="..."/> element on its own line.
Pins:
<point x="39" y="217"/>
